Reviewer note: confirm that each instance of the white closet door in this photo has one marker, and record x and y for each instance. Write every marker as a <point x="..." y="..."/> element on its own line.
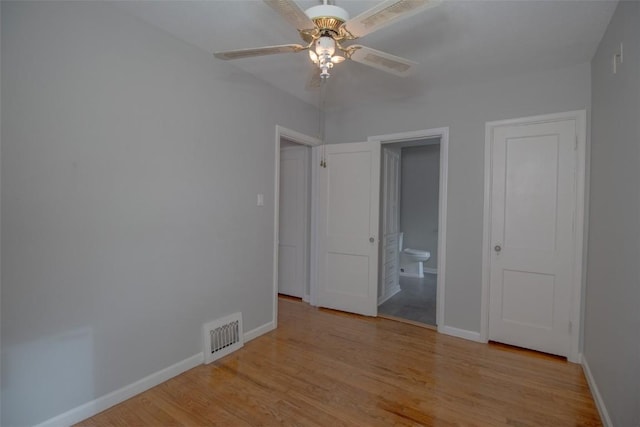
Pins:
<point x="348" y="200"/>
<point x="533" y="202"/>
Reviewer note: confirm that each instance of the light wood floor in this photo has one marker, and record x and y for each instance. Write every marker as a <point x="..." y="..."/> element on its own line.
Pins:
<point x="325" y="368"/>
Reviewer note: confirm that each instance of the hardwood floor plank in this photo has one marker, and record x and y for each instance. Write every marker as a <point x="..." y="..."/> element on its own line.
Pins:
<point x="326" y="368"/>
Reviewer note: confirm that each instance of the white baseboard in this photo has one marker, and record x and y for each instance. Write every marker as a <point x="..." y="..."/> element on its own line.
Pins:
<point x="429" y="270"/>
<point x="100" y="404"/>
<point x="260" y="330"/>
<point x="460" y="333"/>
<point x="390" y="293"/>
<point x="602" y="409"/>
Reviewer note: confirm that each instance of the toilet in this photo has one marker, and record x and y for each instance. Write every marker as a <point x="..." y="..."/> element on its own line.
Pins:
<point x="411" y="260"/>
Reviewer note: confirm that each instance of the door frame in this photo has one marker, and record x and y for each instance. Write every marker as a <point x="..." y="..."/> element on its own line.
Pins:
<point x="443" y="134"/>
<point x="579" y="249"/>
<point x="302" y="139"/>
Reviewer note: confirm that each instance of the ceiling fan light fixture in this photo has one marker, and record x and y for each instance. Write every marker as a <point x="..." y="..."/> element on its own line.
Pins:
<point x="325" y="45"/>
<point x="324" y="27"/>
<point x="324" y="49"/>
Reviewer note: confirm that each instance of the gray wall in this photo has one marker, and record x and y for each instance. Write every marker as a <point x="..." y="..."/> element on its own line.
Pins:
<point x="465" y="108"/>
<point x="130" y="168"/>
<point x="612" y="310"/>
<point x="419" y="183"/>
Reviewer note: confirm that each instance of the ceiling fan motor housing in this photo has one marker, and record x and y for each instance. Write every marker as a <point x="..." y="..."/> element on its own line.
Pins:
<point x="328" y="17"/>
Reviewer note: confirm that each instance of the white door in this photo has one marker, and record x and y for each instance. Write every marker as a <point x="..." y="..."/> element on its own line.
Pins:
<point x="348" y="210"/>
<point x="294" y="211"/>
<point x="533" y="201"/>
<point x="389" y="276"/>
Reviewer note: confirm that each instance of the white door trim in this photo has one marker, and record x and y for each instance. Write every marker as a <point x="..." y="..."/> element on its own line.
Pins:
<point x="300" y="138"/>
<point x="443" y="133"/>
<point x="579" y="250"/>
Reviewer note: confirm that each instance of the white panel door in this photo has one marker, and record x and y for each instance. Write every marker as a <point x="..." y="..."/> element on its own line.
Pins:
<point x="533" y="200"/>
<point x="348" y="200"/>
<point x="389" y="276"/>
<point x="293" y="227"/>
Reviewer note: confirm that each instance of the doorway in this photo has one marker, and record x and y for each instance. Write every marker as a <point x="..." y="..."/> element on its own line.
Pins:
<point x="293" y="242"/>
<point x="410" y="176"/>
<point x="413" y="198"/>
<point x="294" y="221"/>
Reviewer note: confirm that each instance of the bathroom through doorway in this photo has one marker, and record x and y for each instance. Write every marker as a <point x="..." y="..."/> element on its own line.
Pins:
<point x="412" y="215"/>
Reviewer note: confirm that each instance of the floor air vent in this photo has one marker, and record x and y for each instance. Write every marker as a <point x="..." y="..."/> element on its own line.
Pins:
<point x="222" y="336"/>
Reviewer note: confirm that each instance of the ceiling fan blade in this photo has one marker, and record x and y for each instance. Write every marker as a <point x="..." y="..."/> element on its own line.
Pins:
<point x="259" y="51"/>
<point x="290" y="11"/>
<point x="385" y="13"/>
<point x="381" y="60"/>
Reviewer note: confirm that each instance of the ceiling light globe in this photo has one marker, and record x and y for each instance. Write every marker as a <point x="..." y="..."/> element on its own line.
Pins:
<point x="325" y="45"/>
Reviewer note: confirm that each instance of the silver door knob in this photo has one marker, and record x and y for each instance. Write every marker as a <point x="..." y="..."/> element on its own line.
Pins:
<point x="371" y="239"/>
<point x="497" y="248"/>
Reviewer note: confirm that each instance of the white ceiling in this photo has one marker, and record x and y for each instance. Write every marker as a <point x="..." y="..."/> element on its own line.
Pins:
<point x="456" y="41"/>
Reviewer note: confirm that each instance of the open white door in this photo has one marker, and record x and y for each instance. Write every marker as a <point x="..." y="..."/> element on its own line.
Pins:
<point x="348" y="210"/>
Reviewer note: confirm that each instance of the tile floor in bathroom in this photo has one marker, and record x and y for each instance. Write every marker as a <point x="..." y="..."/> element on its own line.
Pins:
<point x="416" y="301"/>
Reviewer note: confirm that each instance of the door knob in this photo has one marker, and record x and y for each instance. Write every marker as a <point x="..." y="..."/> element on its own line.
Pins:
<point x="497" y="248"/>
<point x="371" y="239"/>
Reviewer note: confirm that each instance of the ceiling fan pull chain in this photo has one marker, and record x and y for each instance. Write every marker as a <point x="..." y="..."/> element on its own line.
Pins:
<point x="321" y="121"/>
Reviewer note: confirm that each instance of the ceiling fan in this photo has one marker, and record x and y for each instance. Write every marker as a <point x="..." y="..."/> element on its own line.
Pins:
<point x="324" y="29"/>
